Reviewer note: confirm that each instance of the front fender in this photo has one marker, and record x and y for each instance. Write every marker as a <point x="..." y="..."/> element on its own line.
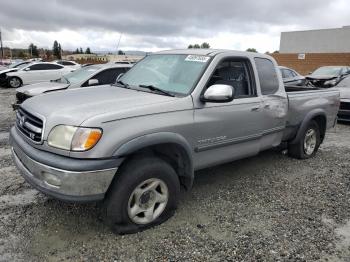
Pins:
<point x="160" y="138"/>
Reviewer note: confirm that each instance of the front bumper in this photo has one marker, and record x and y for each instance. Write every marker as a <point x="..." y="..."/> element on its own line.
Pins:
<point x="81" y="180"/>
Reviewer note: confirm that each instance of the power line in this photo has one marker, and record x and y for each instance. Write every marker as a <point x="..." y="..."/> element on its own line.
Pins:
<point x="2" y="49"/>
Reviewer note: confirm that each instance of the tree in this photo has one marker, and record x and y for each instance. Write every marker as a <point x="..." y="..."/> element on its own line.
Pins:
<point x="56" y="50"/>
<point x="196" y="46"/>
<point x="76" y="51"/>
<point x="60" y="51"/>
<point x="120" y="52"/>
<point x="252" y="50"/>
<point x="87" y="51"/>
<point x="81" y="51"/>
<point x="190" y="47"/>
<point x="33" y="50"/>
<point x="205" y="45"/>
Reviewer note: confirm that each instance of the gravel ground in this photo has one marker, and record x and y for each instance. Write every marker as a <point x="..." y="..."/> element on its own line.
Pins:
<point x="269" y="207"/>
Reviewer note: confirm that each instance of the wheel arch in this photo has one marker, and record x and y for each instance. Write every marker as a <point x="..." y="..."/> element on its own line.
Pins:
<point x="171" y="147"/>
<point x="317" y="115"/>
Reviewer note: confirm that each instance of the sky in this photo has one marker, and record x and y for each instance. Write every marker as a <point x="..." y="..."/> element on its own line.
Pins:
<point x="152" y="25"/>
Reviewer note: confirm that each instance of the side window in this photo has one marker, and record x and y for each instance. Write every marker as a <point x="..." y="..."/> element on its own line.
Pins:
<point x="236" y="73"/>
<point x="267" y="76"/>
<point x="53" y="67"/>
<point x="37" y="67"/>
<point x="108" y="76"/>
<point x="67" y="63"/>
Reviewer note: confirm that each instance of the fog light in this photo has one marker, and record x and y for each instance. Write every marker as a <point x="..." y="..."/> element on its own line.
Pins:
<point x="51" y="179"/>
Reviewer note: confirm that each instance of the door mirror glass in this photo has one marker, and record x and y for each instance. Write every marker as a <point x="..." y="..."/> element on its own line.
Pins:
<point x="93" y="82"/>
<point x="218" y="94"/>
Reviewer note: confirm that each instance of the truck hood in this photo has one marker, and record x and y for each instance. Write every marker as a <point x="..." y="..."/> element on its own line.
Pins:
<point x="96" y="105"/>
<point x="39" y="88"/>
<point x="344" y="92"/>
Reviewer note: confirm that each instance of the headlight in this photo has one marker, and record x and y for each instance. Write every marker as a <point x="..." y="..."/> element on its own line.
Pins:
<point x="74" y="138"/>
<point x="331" y="82"/>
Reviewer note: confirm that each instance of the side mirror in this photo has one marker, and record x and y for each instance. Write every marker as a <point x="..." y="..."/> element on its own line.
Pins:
<point x="27" y="69"/>
<point x="218" y="94"/>
<point x="119" y="76"/>
<point x="93" y="82"/>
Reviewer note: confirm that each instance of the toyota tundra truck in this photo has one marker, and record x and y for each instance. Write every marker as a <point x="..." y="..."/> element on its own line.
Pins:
<point x="133" y="145"/>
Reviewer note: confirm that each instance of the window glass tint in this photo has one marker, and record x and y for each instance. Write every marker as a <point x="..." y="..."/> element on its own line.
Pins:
<point x="45" y="67"/>
<point x="66" y="63"/>
<point x="108" y="76"/>
<point x="234" y="73"/>
<point x="287" y="73"/>
<point x="267" y="76"/>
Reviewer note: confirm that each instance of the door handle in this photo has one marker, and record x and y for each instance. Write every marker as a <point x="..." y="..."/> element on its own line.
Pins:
<point x="256" y="108"/>
<point x="267" y="106"/>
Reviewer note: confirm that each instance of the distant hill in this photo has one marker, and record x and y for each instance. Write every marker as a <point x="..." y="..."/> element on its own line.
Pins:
<point x="130" y="52"/>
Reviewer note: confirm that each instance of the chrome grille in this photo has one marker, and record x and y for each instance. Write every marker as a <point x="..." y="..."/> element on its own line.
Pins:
<point x="31" y="126"/>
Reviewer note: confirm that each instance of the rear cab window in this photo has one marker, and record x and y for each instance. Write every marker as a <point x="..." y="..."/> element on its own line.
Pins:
<point x="267" y="75"/>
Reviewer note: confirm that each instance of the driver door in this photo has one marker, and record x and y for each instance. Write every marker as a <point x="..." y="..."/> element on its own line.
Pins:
<point x="232" y="130"/>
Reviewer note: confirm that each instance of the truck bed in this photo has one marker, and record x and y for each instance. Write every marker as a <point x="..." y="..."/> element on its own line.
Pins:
<point x="302" y="100"/>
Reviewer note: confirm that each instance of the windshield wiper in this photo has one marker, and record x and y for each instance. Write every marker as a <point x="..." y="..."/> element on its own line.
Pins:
<point x="154" y="88"/>
<point x="122" y="84"/>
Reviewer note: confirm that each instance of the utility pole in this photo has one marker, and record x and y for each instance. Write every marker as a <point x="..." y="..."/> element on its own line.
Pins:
<point x="119" y="42"/>
<point x="2" y="49"/>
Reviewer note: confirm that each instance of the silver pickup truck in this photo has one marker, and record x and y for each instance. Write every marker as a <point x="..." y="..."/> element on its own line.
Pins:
<point x="135" y="143"/>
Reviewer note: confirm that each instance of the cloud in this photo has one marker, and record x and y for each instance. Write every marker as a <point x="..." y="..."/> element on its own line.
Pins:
<point x="158" y="24"/>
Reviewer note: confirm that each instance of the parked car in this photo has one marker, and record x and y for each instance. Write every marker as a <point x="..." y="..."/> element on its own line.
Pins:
<point x="12" y="68"/>
<point x="101" y="74"/>
<point x="327" y="76"/>
<point x="35" y="73"/>
<point x="344" y="110"/>
<point x="71" y="64"/>
<point x="291" y="77"/>
<point x="135" y="143"/>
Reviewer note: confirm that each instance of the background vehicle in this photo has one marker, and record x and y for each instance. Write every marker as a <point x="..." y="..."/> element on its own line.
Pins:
<point x="71" y="64"/>
<point x="135" y="143"/>
<point x="344" y="110"/>
<point x="327" y="76"/>
<point x="35" y="73"/>
<point x="291" y="77"/>
<point x="12" y="68"/>
<point x="101" y="74"/>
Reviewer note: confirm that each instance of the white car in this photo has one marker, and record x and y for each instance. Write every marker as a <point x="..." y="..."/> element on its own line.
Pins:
<point x="36" y="73"/>
<point x="71" y="64"/>
<point x="102" y="74"/>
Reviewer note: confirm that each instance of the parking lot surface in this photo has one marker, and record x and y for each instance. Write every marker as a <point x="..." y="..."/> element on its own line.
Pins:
<point x="268" y="207"/>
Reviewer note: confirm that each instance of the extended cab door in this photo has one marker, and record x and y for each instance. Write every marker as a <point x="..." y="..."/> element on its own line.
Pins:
<point x="232" y="130"/>
<point x="275" y="102"/>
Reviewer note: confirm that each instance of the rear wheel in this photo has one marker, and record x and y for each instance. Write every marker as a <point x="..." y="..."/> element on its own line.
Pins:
<point x="308" y="144"/>
<point x="15" y="82"/>
<point x="143" y="194"/>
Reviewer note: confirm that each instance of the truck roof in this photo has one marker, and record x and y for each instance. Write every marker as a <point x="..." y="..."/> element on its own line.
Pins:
<point x="212" y="52"/>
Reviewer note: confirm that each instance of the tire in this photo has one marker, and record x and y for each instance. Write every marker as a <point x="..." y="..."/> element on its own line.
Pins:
<point x="15" y="82"/>
<point x="135" y="189"/>
<point x="307" y="146"/>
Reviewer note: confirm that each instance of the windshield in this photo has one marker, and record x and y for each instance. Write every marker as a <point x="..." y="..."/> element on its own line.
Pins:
<point x="19" y="65"/>
<point x="173" y="73"/>
<point x="79" y="75"/>
<point x="327" y="70"/>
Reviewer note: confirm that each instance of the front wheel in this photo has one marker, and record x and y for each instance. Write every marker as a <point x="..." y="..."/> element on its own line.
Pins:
<point x="15" y="82"/>
<point x="308" y="144"/>
<point x="143" y="194"/>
